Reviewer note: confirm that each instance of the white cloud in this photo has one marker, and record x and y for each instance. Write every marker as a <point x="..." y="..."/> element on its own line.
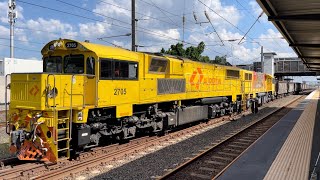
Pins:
<point x="110" y="8"/>
<point x="229" y="13"/>
<point x="93" y="30"/>
<point x="256" y="9"/>
<point x="166" y="27"/>
<point x="50" y="29"/>
<point x="165" y="34"/>
<point x="4" y="32"/>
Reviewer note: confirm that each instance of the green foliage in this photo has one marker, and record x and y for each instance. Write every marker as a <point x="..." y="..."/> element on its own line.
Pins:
<point x="220" y="60"/>
<point x="194" y="53"/>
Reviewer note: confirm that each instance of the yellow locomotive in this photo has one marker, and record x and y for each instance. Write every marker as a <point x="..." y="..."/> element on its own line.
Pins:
<point x="89" y="94"/>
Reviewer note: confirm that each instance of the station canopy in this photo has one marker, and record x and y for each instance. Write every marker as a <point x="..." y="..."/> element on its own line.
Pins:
<point x="299" y="23"/>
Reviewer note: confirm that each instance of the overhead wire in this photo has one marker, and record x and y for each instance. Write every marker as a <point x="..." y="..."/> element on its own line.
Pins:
<point x="15" y="47"/>
<point x="251" y="27"/>
<point x="263" y="26"/>
<point x="236" y="27"/>
<point x="153" y="33"/>
<point x="179" y="16"/>
<point x="96" y="20"/>
<point x="142" y="14"/>
<point x="31" y="42"/>
<point x="233" y="25"/>
<point x="162" y="11"/>
<point x="108" y="16"/>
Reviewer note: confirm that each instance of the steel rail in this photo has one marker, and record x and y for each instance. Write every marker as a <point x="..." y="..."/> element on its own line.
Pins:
<point x="188" y="165"/>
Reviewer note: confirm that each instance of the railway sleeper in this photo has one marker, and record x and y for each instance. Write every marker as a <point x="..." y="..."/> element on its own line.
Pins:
<point x="208" y="169"/>
<point x="201" y="176"/>
<point x="228" y="154"/>
<point x="232" y="150"/>
<point x="216" y="163"/>
<point x="220" y="158"/>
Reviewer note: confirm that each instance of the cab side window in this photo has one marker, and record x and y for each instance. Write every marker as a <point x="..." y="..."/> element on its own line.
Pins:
<point x="125" y="70"/>
<point x="105" y="69"/>
<point x="90" y="65"/>
<point x="118" y="69"/>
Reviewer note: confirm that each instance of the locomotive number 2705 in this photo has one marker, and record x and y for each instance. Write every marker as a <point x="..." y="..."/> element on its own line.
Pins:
<point x="120" y="91"/>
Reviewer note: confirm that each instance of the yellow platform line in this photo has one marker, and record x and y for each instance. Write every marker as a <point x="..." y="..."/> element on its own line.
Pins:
<point x="293" y="159"/>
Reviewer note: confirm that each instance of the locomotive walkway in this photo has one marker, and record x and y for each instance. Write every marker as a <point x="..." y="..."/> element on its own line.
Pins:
<point x="287" y="151"/>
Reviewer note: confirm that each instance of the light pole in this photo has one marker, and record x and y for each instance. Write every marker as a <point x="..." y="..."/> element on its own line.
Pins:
<point x="12" y="15"/>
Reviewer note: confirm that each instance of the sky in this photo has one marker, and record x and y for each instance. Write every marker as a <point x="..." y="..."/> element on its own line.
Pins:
<point x="159" y="24"/>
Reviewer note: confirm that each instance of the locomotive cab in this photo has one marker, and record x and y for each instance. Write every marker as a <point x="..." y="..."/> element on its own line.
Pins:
<point x="45" y="105"/>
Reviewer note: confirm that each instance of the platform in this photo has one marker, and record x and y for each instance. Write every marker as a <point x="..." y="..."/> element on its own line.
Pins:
<point x="287" y="151"/>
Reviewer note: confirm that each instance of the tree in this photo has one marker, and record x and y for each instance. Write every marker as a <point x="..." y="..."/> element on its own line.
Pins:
<point x="194" y="53"/>
<point x="221" y="60"/>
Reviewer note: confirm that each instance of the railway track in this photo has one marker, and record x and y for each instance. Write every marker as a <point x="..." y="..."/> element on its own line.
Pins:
<point x="212" y="162"/>
<point x="99" y="156"/>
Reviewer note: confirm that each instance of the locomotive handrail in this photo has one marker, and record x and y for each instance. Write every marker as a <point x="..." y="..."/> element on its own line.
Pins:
<point x="6" y="101"/>
<point x="54" y="91"/>
<point x="54" y="98"/>
<point x="71" y="94"/>
<point x="70" y="119"/>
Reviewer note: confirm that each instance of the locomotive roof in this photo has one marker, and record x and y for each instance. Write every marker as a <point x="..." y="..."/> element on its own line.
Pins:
<point x="105" y="51"/>
<point x="100" y="50"/>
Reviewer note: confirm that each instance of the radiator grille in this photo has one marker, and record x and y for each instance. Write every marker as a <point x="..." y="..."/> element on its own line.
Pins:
<point x="171" y="86"/>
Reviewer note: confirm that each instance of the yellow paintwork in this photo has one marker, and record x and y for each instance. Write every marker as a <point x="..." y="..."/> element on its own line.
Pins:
<point x="202" y="80"/>
<point x="82" y="92"/>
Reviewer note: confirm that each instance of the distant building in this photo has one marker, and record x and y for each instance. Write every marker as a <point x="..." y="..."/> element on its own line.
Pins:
<point x="257" y="66"/>
<point x="289" y="64"/>
<point x="246" y="66"/>
<point x="268" y="63"/>
<point x="8" y="66"/>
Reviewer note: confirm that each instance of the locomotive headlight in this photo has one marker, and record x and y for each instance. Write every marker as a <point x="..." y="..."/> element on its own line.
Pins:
<point x="79" y="116"/>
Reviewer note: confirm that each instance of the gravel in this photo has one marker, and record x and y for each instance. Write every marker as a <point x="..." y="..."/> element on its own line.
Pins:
<point x="4" y="143"/>
<point x="153" y="165"/>
<point x="4" y="138"/>
<point x="2" y="116"/>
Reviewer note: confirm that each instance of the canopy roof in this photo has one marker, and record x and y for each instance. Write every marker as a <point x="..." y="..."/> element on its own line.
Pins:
<point x="299" y="23"/>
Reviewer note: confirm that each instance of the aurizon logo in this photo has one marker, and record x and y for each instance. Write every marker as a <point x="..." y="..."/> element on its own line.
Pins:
<point x="34" y="90"/>
<point x="193" y="76"/>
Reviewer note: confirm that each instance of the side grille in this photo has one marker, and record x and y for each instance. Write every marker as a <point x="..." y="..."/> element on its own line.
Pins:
<point x="171" y="86"/>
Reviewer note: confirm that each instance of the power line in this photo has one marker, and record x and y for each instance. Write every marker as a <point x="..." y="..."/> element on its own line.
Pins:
<point x="229" y="22"/>
<point x="92" y="11"/>
<point x="250" y="27"/>
<point x="146" y="30"/>
<point x="245" y="9"/>
<point x="179" y="16"/>
<point x="96" y="20"/>
<point x="164" y="10"/>
<point x="150" y="17"/>
<point x="214" y="29"/>
<point x="263" y="26"/>
<point x="103" y="15"/>
<point x="161" y="11"/>
<point x="15" y="47"/>
<point x="32" y="42"/>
